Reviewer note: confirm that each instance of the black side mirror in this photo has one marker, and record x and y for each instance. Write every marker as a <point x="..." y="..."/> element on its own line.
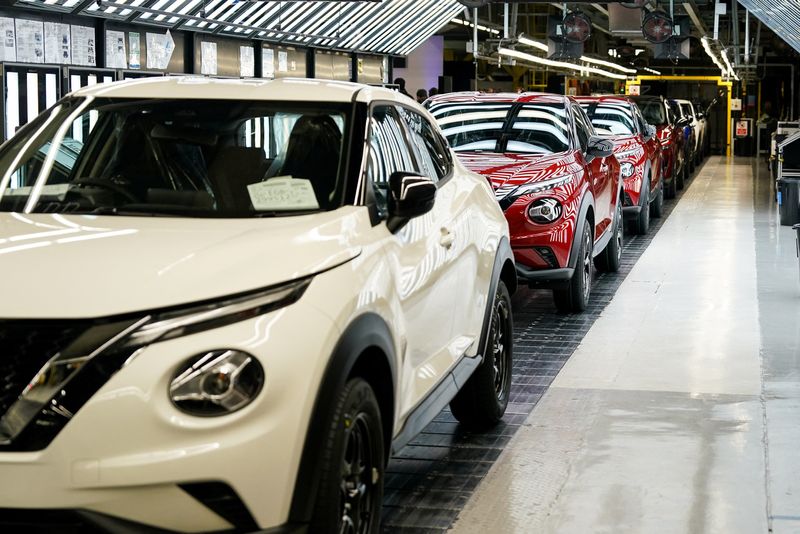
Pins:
<point x="599" y="147"/>
<point x="410" y="195"/>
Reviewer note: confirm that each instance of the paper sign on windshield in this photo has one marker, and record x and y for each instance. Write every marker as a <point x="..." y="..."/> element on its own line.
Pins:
<point x="283" y="193"/>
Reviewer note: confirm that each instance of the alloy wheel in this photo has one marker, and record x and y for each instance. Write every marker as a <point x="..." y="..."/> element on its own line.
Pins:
<point x="500" y="335"/>
<point x="587" y="263"/>
<point x="358" y="478"/>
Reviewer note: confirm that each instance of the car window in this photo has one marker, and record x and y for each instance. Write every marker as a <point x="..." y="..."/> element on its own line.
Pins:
<point x="471" y="126"/>
<point x="640" y="122"/>
<point x="653" y="111"/>
<point x="610" y="118"/>
<point x="582" y="127"/>
<point x="427" y="146"/>
<point x="539" y="129"/>
<point x="387" y="152"/>
<point x="202" y="158"/>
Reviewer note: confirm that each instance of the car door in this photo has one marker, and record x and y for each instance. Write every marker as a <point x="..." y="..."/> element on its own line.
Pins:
<point x="459" y="231"/>
<point x="418" y="261"/>
<point x="599" y="172"/>
<point x="652" y="147"/>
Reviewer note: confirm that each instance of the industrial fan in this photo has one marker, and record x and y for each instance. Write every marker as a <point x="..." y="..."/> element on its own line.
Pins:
<point x="577" y="27"/>
<point x="657" y="27"/>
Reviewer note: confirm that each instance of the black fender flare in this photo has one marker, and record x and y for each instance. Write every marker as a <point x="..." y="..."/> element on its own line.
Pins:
<point x="586" y="203"/>
<point x="367" y="331"/>
<point x="502" y="257"/>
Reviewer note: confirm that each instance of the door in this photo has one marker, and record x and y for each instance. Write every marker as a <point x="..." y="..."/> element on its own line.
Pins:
<point x="599" y="172"/>
<point x="28" y="91"/>
<point x="459" y="232"/>
<point x="652" y="149"/>
<point x="417" y="259"/>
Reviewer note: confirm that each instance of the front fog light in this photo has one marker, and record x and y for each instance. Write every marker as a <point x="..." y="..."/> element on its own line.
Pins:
<point x="626" y="170"/>
<point x="544" y="210"/>
<point x="218" y="382"/>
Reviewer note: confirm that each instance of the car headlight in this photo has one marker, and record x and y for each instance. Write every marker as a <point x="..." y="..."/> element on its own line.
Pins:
<point x="218" y="382"/>
<point x="626" y="170"/>
<point x="67" y="381"/>
<point x="508" y="195"/>
<point x="545" y="210"/>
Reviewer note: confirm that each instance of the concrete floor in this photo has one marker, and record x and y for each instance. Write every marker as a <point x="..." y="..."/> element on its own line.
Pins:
<point x="680" y="409"/>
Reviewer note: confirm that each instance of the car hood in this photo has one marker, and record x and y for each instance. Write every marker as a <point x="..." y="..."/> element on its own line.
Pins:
<point x="82" y="266"/>
<point x="510" y="170"/>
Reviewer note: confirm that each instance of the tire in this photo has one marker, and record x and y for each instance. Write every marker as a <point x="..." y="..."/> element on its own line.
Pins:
<point x="680" y="177"/>
<point x="641" y="224"/>
<point x="481" y="403"/>
<point x="354" y="438"/>
<point x="670" y="189"/>
<point x="575" y="297"/>
<point x="657" y="205"/>
<point x="608" y="261"/>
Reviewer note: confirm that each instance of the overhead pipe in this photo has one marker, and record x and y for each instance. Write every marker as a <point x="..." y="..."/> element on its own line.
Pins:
<point x="505" y="20"/>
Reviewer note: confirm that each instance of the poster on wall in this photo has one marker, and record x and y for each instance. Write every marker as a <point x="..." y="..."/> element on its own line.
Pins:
<point x="8" y="52"/>
<point x="283" y="61"/>
<point x="135" y="58"/>
<point x="30" y="41"/>
<point x="247" y="61"/>
<point x="208" y="58"/>
<point x="57" y="47"/>
<point x="159" y="50"/>
<point x="83" y="46"/>
<point x="268" y="63"/>
<point x="116" y="56"/>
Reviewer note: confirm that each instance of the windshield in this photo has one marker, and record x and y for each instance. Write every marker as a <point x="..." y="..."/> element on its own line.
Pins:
<point x="529" y="128"/>
<point x="653" y="111"/>
<point x="202" y="158"/>
<point x="610" y="118"/>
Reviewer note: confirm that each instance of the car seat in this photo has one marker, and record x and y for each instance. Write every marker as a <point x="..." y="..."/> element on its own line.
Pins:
<point x="312" y="153"/>
<point x="232" y="170"/>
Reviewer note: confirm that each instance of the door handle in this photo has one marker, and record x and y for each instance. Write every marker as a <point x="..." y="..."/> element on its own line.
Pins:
<point x="447" y="238"/>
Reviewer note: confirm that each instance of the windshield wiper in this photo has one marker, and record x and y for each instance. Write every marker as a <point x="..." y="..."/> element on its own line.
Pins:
<point x="122" y="212"/>
<point x="283" y="213"/>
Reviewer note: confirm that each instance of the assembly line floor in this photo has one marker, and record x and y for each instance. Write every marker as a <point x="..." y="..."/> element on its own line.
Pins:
<point x="671" y="405"/>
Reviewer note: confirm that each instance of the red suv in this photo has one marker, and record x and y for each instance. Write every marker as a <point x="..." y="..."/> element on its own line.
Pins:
<point x="556" y="180"/>
<point x="639" y="154"/>
<point x="656" y="111"/>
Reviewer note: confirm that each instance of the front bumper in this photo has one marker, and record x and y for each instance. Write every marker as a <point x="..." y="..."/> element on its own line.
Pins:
<point x="129" y="453"/>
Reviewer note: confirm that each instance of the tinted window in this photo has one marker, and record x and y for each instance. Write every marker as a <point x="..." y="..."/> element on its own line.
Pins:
<point x="582" y="127"/>
<point x="653" y="111"/>
<point x="539" y="129"/>
<point x="610" y="117"/>
<point x="471" y="126"/>
<point x="687" y="109"/>
<point x="202" y="158"/>
<point x="428" y="148"/>
<point x="387" y="152"/>
<point x="531" y="128"/>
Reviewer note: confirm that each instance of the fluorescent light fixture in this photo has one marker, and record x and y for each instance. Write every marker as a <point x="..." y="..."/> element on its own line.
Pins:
<point x="541" y="46"/>
<point x="557" y="64"/>
<point x="728" y="64"/>
<point x="726" y="70"/>
<point x="654" y="71"/>
<point x="530" y="42"/>
<point x="480" y="27"/>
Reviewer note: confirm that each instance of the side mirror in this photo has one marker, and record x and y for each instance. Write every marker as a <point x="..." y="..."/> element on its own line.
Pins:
<point x="650" y="131"/>
<point x="410" y="195"/>
<point x="599" y="147"/>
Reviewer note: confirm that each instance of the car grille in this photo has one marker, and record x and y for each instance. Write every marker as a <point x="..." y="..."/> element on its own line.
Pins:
<point x="25" y="346"/>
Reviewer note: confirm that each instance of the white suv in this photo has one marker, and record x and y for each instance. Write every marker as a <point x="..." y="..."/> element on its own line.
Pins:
<point x="226" y="302"/>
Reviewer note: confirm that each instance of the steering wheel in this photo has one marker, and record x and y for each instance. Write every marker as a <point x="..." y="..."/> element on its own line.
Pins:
<point x="109" y="185"/>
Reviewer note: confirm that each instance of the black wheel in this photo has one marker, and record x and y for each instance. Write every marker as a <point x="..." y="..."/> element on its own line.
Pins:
<point x="575" y="296"/>
<point x="670" y="189"/>
<point x="481" y="403"/>
<point x="641" y="224"/>
<point x="680" y="177"/>
<point x="351" y="475"/>
<point x="609" y="260"/>
<point x="657" y="205"/>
